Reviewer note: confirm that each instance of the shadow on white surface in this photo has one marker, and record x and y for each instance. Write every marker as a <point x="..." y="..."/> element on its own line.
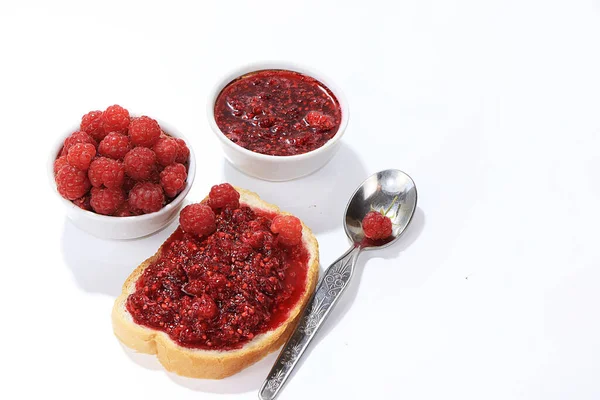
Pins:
<point x="146" y="361"/>
<point x="100" y="265"/>
<point x="411" y="234"/>
<point x="318" y="199"/>
<point x="247" y="380"/>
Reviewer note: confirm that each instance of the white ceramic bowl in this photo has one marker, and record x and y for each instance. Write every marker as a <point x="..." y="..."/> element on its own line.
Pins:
<point x="277" y="168"/>
<point x="107" y="227"/>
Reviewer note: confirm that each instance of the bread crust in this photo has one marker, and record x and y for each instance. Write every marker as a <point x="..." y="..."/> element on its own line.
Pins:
<point x="211" y="364"/>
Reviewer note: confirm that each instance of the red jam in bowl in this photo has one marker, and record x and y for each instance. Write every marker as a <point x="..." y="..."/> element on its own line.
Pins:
<point x="218" y="292"/>
<point x="278" y="112"/>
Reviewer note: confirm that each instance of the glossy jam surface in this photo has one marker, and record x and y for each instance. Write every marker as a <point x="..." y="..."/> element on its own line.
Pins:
<point x="278" y="112"/>
<point x="220" y="291"/>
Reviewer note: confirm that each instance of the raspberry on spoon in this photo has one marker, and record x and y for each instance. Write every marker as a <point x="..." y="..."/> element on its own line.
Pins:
<point x="376" y="224"/>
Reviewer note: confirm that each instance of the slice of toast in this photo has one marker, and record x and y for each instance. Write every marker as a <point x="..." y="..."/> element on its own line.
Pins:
<point x="212" y="364"/>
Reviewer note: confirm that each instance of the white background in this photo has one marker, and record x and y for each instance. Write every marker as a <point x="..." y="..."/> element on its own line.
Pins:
<point x="493" y="107"/>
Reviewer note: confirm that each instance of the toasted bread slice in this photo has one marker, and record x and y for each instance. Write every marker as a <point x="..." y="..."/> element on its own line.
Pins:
<point x="211" y="364"/>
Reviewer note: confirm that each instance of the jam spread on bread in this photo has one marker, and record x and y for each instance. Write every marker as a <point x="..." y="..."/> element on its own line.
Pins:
<point x="277" y="112"/>
<point x="217" y="292"/>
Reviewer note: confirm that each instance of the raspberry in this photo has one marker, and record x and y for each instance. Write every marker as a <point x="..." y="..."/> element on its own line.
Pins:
<point x="107" y="172"/>
<point x="224" y="195"/>
<point x="183" y="153"/>
<point x="320" y="121"/>
<point x="166" y="150"/>
<point x="147" y="197"/>
<point x="115" y="119"/>
<point x="376" y="225"/>
<point x="198" y="219"/>
<point x="81" y="155"/>
<point x="172" y="179"/>
<point x="83" y="202"/>
<point x="139" y="163"/>
<point x="91" y="123"/>
<point x="288" y="228"/>
<point x="106" y="201"/>
<point x="76" y="137"/>
<point x="114" y="145"/>
<point x="124" y="210"/>
<point x="144" y="131"/>
<point x="71" y="182"/>
<point x="59" y="163"/>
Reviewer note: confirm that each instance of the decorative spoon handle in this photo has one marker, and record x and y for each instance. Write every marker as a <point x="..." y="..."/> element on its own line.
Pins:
<point x="328" y="291"/>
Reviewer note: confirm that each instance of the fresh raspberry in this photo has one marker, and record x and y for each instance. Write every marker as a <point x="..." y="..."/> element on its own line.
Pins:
<point x="114" y="145"/>
<point x="288" y="228"/>
<point x="83" y="202"/>
<point x="91" y="123"/>
<point x="81" y="155"/>
<point x="124" y="210"/>
<point x="183" y="153"/>
<point x="320" y="121"/>
<point x="147" y="197"/>
<point x="106" y="201"/>
<point x="198" y="219"/>
<point x="59" y="163"/>
<point x="139" y="163"/>
<point x="144" y="131"/>
<point x="223" y="195"/>
<point x="77" y="137"/>
<point x="107" y="172"/>
<point x="71" y="182"/>
<point x="166" y="150"/>
<point x="172" y="179"/>
<point x="376" y="225"/>
<point x="115" y="119"/>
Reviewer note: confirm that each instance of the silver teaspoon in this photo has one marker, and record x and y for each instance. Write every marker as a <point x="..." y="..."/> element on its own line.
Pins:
<point x="390" y="190"/>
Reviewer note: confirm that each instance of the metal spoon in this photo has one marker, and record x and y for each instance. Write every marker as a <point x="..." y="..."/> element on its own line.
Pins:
<point x="391" y="190"/>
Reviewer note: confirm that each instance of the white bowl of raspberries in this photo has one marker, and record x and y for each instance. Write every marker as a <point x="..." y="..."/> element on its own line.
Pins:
<point x="122" y="176"/>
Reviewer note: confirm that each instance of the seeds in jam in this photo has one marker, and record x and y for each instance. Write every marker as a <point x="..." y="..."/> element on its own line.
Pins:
<point x="278" y="112"/>
<point x="219" y="291"/>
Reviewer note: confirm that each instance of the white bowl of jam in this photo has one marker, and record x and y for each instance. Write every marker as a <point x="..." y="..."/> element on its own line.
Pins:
<point x="277" y="121"/>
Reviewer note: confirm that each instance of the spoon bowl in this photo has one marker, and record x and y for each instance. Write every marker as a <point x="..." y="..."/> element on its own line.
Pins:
<point x="391" y="190"/>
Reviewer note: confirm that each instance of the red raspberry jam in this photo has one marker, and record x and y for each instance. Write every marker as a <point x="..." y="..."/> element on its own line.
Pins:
<point x="220" y="291"/>
<point x="278" y="112"/>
